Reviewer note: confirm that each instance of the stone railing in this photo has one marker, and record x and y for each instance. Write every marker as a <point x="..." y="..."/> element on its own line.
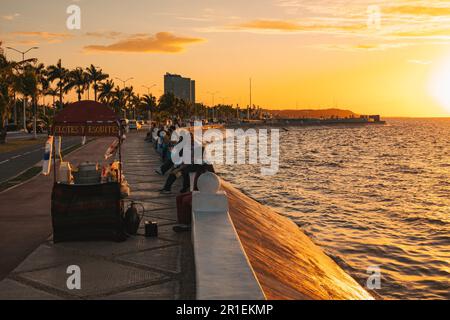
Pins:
<point x="223" y="271"/>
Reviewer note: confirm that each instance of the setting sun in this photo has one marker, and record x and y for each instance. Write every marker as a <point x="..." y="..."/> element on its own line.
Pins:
<point x="439" y="85"/>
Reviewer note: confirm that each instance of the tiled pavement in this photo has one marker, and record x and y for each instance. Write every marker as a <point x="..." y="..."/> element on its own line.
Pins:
<point x="139" y="268"/>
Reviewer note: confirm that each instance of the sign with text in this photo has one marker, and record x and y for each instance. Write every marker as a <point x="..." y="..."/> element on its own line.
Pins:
<point x="87" y="130"/>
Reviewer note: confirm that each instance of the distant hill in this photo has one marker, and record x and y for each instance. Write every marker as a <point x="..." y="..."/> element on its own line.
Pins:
<point x="310" y="113"/>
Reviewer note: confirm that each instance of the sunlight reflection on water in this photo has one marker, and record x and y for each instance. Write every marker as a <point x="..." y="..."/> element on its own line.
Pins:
<point x="373" y="195"/>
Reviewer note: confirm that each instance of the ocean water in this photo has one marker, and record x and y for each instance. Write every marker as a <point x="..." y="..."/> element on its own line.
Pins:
<point x="369" y="196"/>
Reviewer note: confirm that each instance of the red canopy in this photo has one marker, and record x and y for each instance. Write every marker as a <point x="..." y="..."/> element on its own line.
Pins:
<point x="86" y="118"/>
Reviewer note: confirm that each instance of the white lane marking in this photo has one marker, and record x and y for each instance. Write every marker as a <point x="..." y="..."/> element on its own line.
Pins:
<point x="24" y="154"/>
<point x="21" y="155"/>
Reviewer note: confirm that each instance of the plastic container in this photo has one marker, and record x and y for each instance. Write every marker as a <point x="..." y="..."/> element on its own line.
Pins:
<point x="65" y="172"/>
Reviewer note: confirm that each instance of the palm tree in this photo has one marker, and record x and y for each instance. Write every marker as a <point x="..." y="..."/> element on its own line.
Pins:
<point x="58" y="72"/>
<point x="29" y="88"/>
<point x="149" y="102"/>
<point x="95" y="76"/>
<point x="53" y="93"/>
<point x="119" y="100"/>
<point x="77" y="80"/>
<point x="167" y="102"/>
<point x="128" y="92"/>
<point x="15" y="83"/>
<point x="7" y="80"/>
<point x="106" y="91"/>
<point x="136" y="103"/>
<point x="43" y="81"/>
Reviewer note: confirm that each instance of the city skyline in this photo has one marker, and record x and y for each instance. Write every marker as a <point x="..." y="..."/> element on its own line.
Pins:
<point x="372" y="57"/>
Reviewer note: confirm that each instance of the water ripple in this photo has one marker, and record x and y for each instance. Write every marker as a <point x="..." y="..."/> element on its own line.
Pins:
<point x="375" y="195"/>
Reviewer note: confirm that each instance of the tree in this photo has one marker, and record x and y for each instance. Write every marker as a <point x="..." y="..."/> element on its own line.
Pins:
<point x="106" y="91"/>
<point x="43" y="82"/>
<point x="53" y="93"/>
<point x="128" y="92"/>
<point x="95" y="76"/>
<point x="77" y="79"/>
<point x="136" y="104"/>
<point x="6" y="83"/>
<point x="29" y="88"/>
<point x="58" y="72"/>
<point x="119" y="100"/>
<point x="167" y="102"/>
<point x="149" y="102"/>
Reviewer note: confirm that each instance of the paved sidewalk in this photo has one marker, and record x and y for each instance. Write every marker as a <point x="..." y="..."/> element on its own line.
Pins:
<point x="140" y="268"/>
<point x="25" y="220"/>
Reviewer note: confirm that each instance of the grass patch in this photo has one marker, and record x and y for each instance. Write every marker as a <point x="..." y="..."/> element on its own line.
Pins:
<point x="70" y="149"/>
<point x="17" y="144"/>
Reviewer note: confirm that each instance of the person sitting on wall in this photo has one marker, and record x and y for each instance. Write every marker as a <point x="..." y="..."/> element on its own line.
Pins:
<point x="166" y="145"/>
<point x="184" y="200"/>
<point x="183" y="170"/>
<point x="149" y="136"/>
<point x="168" y="163"/>
<point x="159" y="144"/>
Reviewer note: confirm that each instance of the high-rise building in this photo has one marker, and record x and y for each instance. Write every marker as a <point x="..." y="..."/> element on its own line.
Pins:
<point x="182" y="88"/>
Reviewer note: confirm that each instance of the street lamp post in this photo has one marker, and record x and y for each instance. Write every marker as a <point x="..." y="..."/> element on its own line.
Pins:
<point x="149" y="111"/>
<point x="149" y="88"/>
<point x="23" y="53"/>
<point x="124" y="83"/>
<point x="213" y="94"/>
<point x="223" y="104"/>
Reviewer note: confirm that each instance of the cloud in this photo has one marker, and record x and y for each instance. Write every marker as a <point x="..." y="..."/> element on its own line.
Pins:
<point x="104" y="34"/>
<point x="361" y="46"/>
<point x="424" y="33"/>
<point x="418" y="10"/>
<point x="11" y="17"/>
<point x="162" y="42"/>
<point x="270" y="25"/>
<point x="290" y="26"/>
<point x="422" y="62"/>
<point x="50" y="37"/>
<point x="195" y="19"/>
<point x="367" y="46"/>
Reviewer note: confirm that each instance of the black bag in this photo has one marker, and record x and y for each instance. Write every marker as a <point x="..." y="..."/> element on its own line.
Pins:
<point x="132" y="219"/>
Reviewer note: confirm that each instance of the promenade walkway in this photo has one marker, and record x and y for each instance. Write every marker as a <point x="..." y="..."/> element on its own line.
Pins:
<point x="140" y="268"/>
<point x="25" y="220"/>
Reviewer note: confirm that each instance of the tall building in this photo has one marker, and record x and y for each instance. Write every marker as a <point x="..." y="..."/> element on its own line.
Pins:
<point x="182" y="88"/>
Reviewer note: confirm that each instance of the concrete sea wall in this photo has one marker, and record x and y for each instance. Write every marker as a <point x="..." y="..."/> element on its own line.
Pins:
<point x="287" y="264"/>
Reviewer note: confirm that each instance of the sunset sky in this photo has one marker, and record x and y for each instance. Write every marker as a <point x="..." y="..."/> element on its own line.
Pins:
<point x="299" y="53"/>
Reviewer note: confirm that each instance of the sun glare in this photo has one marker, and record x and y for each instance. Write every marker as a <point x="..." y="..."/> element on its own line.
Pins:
<point x="439" y="85"/>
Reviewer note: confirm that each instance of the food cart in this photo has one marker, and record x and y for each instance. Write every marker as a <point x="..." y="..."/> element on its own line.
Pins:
<point x="88" y="205"/>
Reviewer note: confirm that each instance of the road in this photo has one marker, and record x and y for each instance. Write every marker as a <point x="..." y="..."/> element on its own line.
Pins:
<point x="14" y="162"/>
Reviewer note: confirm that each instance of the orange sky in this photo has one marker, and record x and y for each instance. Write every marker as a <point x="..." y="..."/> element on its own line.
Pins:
<point x="299" y="53"/>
